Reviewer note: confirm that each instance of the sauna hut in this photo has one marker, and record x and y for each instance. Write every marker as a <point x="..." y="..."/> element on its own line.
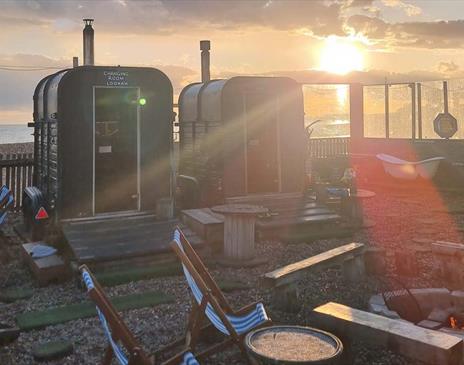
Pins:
<point x="240" y="136"/>
<point x="103" y="142"/>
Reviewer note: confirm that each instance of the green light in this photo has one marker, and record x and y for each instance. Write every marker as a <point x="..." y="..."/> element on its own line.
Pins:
<point x="142" y="101"/>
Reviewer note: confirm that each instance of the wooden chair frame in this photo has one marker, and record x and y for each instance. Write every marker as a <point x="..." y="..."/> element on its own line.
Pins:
<point x="213" y="295"/>
<point x="120" y="332"/>
<point x="3" y="203"/>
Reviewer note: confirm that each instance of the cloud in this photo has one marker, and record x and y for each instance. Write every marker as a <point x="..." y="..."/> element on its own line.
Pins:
<point x="448" y="68"/>
<point x="409" y="9"/>
<point x="167" y="17"/>
<point x="362" y="77"/>
<point x="20" y="21"/>
<point x="180" y="76"/>
<point x="359" y="3"/>
<point x="319" y="16"/>
<point x="438" y="34"/>
<point x="18" y="86"/>
<point x="171" y="16"/>
<point x="371" y="27"/>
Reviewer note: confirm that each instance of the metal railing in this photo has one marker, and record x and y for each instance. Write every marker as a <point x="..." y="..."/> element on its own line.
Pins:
<point x="16" y="173"/>
<point x="328" y="147"/>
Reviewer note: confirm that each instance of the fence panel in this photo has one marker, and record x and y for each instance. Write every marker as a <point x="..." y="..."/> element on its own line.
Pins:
<point x="16" y="173"/>
<point x="328" y="147"/>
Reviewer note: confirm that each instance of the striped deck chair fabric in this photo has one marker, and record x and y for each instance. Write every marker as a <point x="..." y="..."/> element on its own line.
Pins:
<point x="241" y="324"/>
<point x="6" y="201"/>
<point x="119" y="353"/>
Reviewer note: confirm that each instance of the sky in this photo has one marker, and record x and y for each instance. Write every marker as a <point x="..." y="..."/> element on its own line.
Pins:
<point x="313" y="41"/>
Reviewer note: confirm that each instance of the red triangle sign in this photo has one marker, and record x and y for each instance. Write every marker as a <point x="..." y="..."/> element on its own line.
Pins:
<point x="41" y="214"/>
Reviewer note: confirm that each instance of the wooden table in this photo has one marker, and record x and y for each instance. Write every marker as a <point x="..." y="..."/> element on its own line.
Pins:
<point x="354" y="206"/>
<point x="293" y="345"/>
<point x="239" y="229"/>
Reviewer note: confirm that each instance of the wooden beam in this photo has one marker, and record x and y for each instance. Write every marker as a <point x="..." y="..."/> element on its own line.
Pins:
<point x="293" y="272"/>
<point x="429" y="346"/>
<point x="356" y="111"/>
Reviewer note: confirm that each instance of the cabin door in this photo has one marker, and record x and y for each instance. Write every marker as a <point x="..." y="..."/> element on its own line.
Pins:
<point x="262" y="143"/>
<point x="116" y="150"/>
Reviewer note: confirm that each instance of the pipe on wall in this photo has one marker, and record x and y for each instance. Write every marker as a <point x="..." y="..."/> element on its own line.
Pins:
<point x="88" y="35"/>
<point x="205" y="46"/>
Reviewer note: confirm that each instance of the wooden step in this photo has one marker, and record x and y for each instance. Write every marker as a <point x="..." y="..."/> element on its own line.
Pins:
<point x="205" y="223"/>
<point x="46" y="269"/>
<point x="122" y="238"/>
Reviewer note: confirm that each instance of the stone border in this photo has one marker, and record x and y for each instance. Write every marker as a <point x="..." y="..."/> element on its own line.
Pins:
<point x="428" y="299"/>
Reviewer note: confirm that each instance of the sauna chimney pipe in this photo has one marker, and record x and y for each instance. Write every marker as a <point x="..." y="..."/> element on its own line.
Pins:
<point x="205" y="46"/>
<point x="88" y="34"/>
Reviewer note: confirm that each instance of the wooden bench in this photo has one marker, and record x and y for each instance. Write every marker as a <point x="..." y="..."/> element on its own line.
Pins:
<point x="429" y="346"/>
<point x="284" y="279"/>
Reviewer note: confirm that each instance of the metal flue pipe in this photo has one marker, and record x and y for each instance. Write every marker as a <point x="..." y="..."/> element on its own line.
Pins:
<point x="205" y="46"/>
<point x="88" y="35"/>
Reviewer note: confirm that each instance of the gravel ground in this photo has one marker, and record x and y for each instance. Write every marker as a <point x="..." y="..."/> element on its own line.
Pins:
<point x="399" y="219"/>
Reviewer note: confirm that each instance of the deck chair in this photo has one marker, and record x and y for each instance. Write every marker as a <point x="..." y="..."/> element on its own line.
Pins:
<point x="117" y="333"/>
<point x="6" y="202"/>
<point x="209" y="302"/>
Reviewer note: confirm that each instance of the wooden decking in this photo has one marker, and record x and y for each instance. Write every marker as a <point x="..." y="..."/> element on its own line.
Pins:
<point x="117" y="238"/>
<point x="291" y="217"/>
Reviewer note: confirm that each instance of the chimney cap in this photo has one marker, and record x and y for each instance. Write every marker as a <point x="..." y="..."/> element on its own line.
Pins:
<point x="205" y="45"/>
<point x="88" y="21"/>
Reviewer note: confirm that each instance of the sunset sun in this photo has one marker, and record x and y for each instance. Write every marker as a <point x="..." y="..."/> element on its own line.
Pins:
<point x="340" y="56"/>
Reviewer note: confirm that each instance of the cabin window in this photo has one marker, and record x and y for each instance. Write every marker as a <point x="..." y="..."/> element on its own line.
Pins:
<point x="329" y="105"/>
<point x="374" y="111"/>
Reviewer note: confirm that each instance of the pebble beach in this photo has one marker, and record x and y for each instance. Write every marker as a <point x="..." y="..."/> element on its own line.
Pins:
<point x="15" y="148"/>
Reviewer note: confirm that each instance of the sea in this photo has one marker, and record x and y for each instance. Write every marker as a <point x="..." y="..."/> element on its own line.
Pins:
<point x="15" y="133"/>
<point x="21" y="133"/>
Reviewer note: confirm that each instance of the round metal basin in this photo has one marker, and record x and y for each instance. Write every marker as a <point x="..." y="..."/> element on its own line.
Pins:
<point x="293" y="345"/>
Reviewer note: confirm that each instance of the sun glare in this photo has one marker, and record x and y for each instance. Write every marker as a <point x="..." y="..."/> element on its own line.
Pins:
<point x="340" y="56"/>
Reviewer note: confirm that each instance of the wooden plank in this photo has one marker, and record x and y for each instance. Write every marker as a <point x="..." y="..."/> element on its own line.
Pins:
<point x="291" y="273"/>
<point x="18" y="185"/>
<point x="429" y="346"/>
<point x="8" y="169"/>
<point x="262" y="198"/>
<point x="2" y="173"/>
<point x="203" y="216"/>
<point x="23" y="181"/>
<point x="297" y="213"/>
<point x="293" y="221"/>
